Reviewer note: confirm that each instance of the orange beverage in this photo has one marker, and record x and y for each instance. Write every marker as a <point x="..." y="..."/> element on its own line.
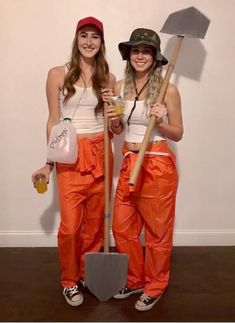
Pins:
<point x="118" y="103"/>
<point x="40" y="184"/>
<point x="119" y="109"/>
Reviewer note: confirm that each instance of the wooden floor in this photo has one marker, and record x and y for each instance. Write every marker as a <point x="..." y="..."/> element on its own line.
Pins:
<point x="202" y="288"/>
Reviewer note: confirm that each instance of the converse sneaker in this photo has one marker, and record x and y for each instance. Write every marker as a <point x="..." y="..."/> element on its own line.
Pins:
<point x="82" y="282"/>
<point x="73" y="296"/>
<point x="146" y="302"/>
<point x="126" y="292"/>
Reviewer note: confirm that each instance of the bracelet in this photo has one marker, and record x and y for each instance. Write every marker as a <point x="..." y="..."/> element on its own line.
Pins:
<point x="116" y="126"/>
<point x="50" y="163"/>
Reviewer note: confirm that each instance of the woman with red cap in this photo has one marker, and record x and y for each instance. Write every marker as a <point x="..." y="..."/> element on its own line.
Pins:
<point x="75" y="91"/>
<point x="150" y="204"/>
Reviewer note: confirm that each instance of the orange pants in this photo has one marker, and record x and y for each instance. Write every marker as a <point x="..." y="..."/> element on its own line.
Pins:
<point x="150" y="204"/>
<point x="81" y="197"/>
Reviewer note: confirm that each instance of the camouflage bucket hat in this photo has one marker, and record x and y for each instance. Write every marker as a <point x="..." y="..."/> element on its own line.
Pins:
<point x="142" y="36"/>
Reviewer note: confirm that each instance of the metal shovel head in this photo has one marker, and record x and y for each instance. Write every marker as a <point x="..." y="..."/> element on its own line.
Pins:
<point x="105" y="273"/>
<point x="188" y="22"/>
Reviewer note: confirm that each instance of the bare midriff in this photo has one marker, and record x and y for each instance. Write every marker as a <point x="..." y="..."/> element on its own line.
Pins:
<point x="135" y="146"/>
<point x="89" y="135"/>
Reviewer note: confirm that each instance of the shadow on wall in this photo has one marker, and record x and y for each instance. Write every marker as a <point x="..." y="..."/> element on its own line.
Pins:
<point x="190" y="60"/>
<point x="48" y="217"/>
<point x="189" y="63"/>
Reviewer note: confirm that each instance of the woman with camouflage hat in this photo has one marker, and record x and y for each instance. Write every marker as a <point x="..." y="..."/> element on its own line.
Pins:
<point x="151" y="203"/>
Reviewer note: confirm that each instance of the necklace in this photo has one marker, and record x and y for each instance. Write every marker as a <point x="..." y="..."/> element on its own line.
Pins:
<point x="84" y="80"/>
<point x="136" y="98"/>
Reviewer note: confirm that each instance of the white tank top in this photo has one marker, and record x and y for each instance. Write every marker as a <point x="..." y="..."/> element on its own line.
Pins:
<point x="81" y="109"/>
<point x="138" y="123"/>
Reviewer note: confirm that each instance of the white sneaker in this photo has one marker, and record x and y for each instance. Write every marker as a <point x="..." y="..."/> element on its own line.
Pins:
<point x="72" y="296"/>
<point x="146" y="302"/>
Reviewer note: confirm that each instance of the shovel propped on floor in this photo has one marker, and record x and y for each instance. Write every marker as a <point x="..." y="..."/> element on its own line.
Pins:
<point x="184" y="23"/>
<point x="106" y="272"/>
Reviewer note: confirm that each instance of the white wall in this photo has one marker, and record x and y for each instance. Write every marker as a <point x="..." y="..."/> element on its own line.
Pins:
<point x="37" y="34"/>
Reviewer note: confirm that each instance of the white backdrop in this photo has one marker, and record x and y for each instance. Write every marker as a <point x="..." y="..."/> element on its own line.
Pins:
<point x="37" y="34"/>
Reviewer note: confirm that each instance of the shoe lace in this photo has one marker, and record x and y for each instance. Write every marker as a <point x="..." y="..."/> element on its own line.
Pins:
<point x="72" y="290"/>
<point x="123" y="290"/>
<point x="145" y="297"/>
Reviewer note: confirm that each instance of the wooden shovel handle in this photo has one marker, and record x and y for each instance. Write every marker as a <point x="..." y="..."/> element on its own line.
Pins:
<point x="151" y="124"/>
<point x="106" y="181"/>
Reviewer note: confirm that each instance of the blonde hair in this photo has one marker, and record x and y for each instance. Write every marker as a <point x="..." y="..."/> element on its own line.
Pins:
<point x="152" y="88"/>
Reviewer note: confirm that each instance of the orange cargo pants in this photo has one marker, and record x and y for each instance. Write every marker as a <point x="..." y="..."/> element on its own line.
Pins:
<point x="149" y="204"/>
<point x="81" y="198"/>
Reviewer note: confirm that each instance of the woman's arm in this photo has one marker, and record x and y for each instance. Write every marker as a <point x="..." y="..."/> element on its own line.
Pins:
<point x="172" y="130"/>
<point x="110" y="90"/>
<point x="53" y="85"/>
<point x="115" y="120"/>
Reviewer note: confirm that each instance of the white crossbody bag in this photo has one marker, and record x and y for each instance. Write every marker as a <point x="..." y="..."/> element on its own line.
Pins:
<point x="62" y="146"/>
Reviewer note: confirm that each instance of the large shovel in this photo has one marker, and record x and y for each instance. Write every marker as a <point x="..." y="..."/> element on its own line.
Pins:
<point x="106" y="273"/>
<point x="187" y="22"/>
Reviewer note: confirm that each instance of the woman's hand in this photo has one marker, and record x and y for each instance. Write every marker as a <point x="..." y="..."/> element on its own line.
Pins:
<point x="112" y="114"/>
<point x="114" y="119"/>
<point x="105" y="94"/>
<point x="159" y="111"/>
<point x="45" y="171"/>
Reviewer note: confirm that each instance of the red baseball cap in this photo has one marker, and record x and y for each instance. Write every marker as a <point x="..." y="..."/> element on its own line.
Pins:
<point x="90" y="21"/>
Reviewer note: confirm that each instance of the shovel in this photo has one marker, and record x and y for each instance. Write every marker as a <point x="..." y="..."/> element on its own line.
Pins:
<point x="187" y="22"/>
<point x="106" y="273"/>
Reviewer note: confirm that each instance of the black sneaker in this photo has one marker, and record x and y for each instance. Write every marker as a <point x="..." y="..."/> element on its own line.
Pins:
<point x="146" y="302"/>
<point x="72" y="296"/>
<point x="126" y="292"/>
<point x="82" y="282"/>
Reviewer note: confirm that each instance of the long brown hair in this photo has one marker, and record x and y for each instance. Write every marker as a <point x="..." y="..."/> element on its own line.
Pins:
<point x="99" y="78"/>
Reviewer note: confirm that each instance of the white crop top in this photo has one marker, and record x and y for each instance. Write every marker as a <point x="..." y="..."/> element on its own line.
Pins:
<point x="138" y="123"/>
<point x="80" y="108"/>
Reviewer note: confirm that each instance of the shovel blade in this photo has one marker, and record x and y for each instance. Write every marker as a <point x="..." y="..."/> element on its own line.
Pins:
<point x="105" y="273"/>
<point x="188" y="22"/>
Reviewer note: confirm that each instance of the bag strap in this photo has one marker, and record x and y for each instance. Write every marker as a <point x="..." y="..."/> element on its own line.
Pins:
<point x="75" y="107"/>
<point x="66" y="70"/>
